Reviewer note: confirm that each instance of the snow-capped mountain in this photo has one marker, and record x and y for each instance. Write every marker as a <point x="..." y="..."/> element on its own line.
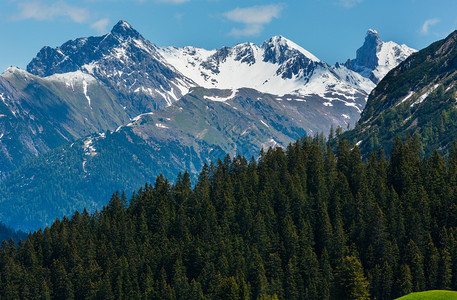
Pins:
<point x="149" y="77"/>
<point x="278" y="67"/>
<point x="124" y="61"/>
<point x="376" y="58"/>
<point x="94" y="84"/>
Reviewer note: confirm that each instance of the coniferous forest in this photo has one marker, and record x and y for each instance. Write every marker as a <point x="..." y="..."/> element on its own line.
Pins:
<point x="305" y="222"/>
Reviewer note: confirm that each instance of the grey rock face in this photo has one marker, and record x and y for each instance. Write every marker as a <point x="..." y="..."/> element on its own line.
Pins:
<point x="375" y="58"/>
<point x="366" y="55"/>
<point x="72" y="55"/>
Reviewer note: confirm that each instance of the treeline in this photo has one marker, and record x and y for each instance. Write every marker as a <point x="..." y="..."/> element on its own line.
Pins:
<point x="298" y="223"/>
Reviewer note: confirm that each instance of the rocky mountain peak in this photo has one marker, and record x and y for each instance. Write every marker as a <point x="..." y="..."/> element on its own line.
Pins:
<point x="124" y="31"/>
<point x="278" y="49"/>
<point x="375" y="58"/>
<point x="278" y="40"/>
<point x="372" y="34"/>
<point x="366" y="55"/>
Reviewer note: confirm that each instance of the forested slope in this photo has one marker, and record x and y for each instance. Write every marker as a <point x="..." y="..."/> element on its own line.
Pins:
<point x="300" y="223"/>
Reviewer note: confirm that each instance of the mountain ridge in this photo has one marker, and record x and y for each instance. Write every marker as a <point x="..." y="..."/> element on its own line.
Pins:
<point x="416" y="97"/>
<point x="127" y="99"/>
<point x="111" y="79"/>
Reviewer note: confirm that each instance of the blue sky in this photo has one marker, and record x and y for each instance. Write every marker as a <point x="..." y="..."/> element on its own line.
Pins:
<point x="330" y="29"/>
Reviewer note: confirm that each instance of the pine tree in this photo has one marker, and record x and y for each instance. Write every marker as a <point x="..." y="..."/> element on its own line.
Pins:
<point x="350" y="280"/>
<point x="405" y="281"/>
<point x="62" y="286"/>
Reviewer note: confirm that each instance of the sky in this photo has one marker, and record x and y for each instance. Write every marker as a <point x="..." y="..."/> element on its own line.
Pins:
<point x="330" y="29"/>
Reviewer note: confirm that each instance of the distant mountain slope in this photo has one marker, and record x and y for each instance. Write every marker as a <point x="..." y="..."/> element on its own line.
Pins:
<point x="281" y="67"/>
<point x="419" y="96"/>
<point x="178" y="138"/>
<point x="115" y="103"/>
<point x="85" y="86"/>
<point x="38" y="114"/>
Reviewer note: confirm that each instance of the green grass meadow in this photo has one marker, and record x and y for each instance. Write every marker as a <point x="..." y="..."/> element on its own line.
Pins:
<point x="431" y="295"/>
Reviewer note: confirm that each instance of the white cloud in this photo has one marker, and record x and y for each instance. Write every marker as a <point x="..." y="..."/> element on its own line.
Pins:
<point x="44" y="11"/>
<point x="101" y="25"/>
<point x="349" y="3"/>
<point x="248" y="30"/>
<point x="426" y="26"/>
<point x="254" y="18"/>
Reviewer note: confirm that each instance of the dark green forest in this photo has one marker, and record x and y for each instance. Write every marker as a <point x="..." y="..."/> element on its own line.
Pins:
<point x="305" y="222"/>
<point x="7" y="233"/>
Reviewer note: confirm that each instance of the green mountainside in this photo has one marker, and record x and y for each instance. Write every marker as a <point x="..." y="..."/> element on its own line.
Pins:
<point x="299" y="223"/>
<point x="39" y="114"/>
<point x="419" y="96"/>
<point x="184" y="136"/>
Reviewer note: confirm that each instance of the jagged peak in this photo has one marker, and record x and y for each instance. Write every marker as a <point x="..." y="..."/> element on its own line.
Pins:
<point x="280" y="41"/>
<point x="245" y="45"/>
<point x="250" y="44"/>
<point x="278" y="38"/>
<point x="372" y="32"/>
<point x="123" y="23"/>
<point x="372" y="38"/>
<point x="124" y="30"/>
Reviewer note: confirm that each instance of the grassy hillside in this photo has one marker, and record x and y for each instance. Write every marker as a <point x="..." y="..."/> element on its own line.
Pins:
<point x="431" y="295"/>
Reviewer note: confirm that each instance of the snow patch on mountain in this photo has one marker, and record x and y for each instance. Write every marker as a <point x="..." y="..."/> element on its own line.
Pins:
<point x="222" y="99"/>
<point x="263" y="122"/>
<point x="425" y="95"/>
<point x="2" y="97"/>
<point x="75" y="79"/>
<point x="406" y="98"/>
<point x="160" y="125"/>
<point x="389" y="56"/>
<point x="85" y="92"/>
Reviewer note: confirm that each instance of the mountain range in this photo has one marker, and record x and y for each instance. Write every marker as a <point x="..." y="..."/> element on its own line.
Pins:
<point x="94" y="107"/>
